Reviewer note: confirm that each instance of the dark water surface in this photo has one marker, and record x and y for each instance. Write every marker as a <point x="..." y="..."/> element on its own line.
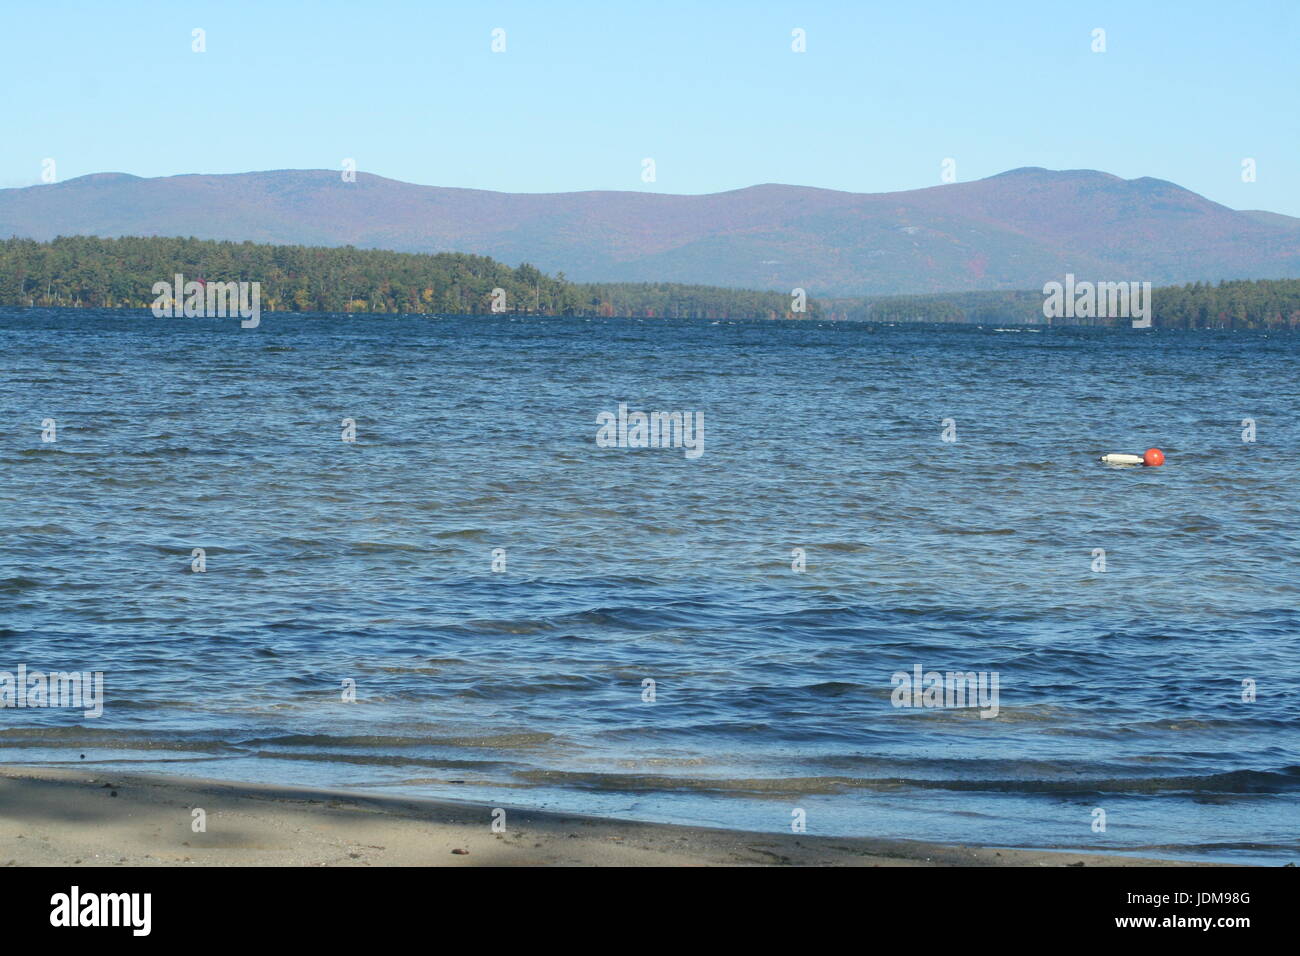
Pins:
<point x="372" y="561"/>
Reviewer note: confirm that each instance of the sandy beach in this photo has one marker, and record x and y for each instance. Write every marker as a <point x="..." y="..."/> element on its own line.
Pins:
<point x="58" y="817"/>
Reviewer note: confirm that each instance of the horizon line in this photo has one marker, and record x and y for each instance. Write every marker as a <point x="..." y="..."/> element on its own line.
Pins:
<point x="641" y="192"/>
<point x="558" y="192"/>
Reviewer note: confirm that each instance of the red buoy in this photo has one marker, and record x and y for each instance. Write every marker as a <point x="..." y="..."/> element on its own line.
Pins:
<point x="1153" y="457"/>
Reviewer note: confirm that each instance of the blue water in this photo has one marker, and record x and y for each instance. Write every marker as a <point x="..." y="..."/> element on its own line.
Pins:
<point x="371" y="561"/>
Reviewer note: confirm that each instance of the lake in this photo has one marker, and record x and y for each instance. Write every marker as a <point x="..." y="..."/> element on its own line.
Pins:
<point x="476" y="600"/>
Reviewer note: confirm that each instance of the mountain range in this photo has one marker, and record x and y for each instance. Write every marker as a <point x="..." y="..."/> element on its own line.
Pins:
<point x="1015" y="230"/>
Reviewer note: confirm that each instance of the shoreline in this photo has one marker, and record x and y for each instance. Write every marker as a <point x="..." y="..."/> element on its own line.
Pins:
<point x="75" y="817"/>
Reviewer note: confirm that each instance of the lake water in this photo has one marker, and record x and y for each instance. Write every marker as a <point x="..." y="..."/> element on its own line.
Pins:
<point x="330" y="561"/>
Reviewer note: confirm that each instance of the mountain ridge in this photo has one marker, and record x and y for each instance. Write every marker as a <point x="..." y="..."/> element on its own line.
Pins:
<point x="1013" y="230"/>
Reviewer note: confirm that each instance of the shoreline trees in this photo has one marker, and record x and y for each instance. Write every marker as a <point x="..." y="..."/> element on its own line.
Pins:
<point x="88" y="271"/>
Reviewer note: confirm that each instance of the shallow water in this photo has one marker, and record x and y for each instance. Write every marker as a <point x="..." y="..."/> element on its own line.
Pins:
<point x="372" y="561"/>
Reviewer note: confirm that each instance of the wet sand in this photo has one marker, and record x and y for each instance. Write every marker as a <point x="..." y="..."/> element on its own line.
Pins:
<point x="61" y="817"/>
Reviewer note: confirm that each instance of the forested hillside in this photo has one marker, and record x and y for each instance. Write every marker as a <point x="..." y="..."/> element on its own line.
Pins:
<point x="84" y="271"/>
<point x="1237" y="304"/>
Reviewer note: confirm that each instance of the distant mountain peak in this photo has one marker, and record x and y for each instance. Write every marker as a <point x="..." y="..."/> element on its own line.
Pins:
<point x="1059" y="175"/>
<point x="98" y="178"/>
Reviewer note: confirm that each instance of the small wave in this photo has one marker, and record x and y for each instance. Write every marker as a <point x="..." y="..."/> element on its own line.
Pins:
<point x="1235" y="782"/>
<point x="379" y="742"/>
<point x="18" y="584"/>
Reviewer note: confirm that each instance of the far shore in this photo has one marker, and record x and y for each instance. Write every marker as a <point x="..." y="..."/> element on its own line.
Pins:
<point x="96" y="817"/>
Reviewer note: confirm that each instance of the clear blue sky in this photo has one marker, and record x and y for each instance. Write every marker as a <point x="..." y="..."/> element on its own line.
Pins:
<point x="713" y="94"/>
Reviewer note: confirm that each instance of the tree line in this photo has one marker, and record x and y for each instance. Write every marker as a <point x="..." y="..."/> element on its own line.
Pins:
<point x="1231" y="304"/>
<point x="91" y="272"/>
<point x="86" y="271"/>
